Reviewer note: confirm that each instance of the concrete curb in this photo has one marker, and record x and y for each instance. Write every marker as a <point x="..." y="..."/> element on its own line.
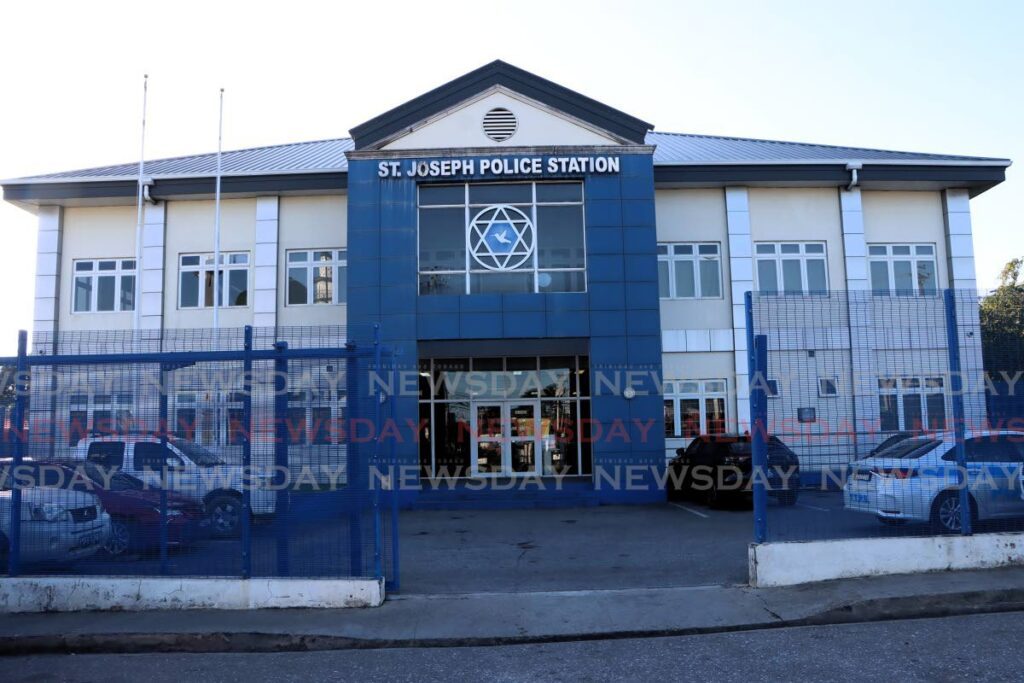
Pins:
<point x="858" y="611"/>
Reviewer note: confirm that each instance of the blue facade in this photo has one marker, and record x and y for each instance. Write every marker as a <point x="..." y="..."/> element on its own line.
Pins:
<point x="618" y="315"/>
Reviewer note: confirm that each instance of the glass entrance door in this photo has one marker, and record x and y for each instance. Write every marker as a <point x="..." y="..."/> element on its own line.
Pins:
<point x="505" y="437"/>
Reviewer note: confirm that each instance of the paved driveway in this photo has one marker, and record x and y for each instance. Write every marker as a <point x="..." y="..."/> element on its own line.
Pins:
<point x="573" y="549"/>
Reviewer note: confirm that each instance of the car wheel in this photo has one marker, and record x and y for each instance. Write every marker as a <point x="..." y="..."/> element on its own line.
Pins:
<point x="225" y="512"/>
<point x="946" y="512"/>
<point x="788" y="498"/>
<point x="713" y="498"/>
<point x="120" y="539"/>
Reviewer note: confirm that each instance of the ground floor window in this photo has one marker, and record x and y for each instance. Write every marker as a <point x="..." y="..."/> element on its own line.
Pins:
<point x="911" y="404"/>
<point x="695" y="407"/>
<point x="514" y="416"/>
<point x="99" y="413"/>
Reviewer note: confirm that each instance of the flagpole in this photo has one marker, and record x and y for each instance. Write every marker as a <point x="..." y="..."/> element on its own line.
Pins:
<point x="136" y="307"/>
<point x="217" y="269"/>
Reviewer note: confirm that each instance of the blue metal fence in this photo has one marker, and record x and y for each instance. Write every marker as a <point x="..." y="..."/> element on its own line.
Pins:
<point x="886" y="402"/>
<point x="241" y="452"/>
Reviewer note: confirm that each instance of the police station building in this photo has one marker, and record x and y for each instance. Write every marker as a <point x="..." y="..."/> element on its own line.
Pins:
<point x="546" y="264"/>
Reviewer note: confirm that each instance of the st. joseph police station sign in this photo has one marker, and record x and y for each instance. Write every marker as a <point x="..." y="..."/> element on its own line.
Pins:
<point x="498" y="167"/>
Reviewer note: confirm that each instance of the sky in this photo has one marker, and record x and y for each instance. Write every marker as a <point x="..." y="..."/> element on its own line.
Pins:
<point x="936" y="76"/>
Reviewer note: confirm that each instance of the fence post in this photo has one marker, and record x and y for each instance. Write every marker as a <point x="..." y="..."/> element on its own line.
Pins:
<point x="356" y="483"/>
<point x="395" y="584"/>
<point x="959" y="426"/>
<point x="757" y="367"/>
<point x="378" y="540"/>
<point x="163" y="469"/>
<point x="248" y="478"/>
<point x="281" y="438"/>
<point x="19" y="435"/>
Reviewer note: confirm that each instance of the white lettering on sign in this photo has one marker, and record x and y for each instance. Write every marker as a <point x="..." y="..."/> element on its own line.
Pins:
<point x="497" y="166"/>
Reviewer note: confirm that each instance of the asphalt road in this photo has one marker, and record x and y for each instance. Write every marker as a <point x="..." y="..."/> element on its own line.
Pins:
<point x="980" y="647"/>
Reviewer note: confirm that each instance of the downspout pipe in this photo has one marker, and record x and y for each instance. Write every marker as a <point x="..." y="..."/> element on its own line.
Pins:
<point x="853" y="168"/>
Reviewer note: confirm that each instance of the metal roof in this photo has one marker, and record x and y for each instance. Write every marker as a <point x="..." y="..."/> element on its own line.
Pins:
<point x="673" y="149"/>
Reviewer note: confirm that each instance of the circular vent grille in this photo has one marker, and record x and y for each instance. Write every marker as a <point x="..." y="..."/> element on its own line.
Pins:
<point x="500" y="124"/>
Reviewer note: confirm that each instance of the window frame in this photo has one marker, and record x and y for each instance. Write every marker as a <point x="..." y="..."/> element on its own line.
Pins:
<point x="803" y="257"/>
<point x="119" y="272"/>
<point x="672" y="258"/>
<point x="338" y="265"/>
<point x="705" y="392"/>
<point x="206" y="265"/>
<point x="923" y="390"/>
<point x="890" y="259"/>
<point x="835" y="387"/>
<point x="471" y="208"/>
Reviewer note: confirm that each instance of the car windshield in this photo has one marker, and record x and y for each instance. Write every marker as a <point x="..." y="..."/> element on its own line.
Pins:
<point x="118" y="481"/>
<point x="197" y="454"/>
<point x="909" y="448"/>
<point x="890" y="442"/>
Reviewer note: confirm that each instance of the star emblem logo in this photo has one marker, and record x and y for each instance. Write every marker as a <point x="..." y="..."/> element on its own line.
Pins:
<point x="501" y="237"/>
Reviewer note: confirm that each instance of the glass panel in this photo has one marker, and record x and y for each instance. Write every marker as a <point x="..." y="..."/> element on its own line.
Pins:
<point x="767" y="277"/>
<point x="904" y="278"/>
<point x="442" y="237"/>
<point x="900" y="250"/>
<point x="581" y="387"/>
<point x="297" y="285"/>
<point x="83" y="294"/>
<point x="765" y="248"/>
<point x="522" y="420"/>
<point x="443" y="284"/>
<point x="295" y="423"/>
<point x="127" y="292"/>
<point x="560" y="237"/>
<point x="710" y="281"/>
<point x="190" y="260"/>
<point x="814" y="248"/>
<point x="424" y="434"/>
<point x="888" y="413"/>
<point x="524" y="456"/>
<point x="682" y="249"/>
<point x="816" y="283"/>
<point x="341" y="285"/>
<point x="501" y="193"/>
<point x="670" y="417"/>
<point x="880" y="278"/>
<point x="789" y="248"/>
<point x="559" y="192"/>
<point x="450" y="380"/>
<point x="558" y="431"/>
<point x="924" y="250"/>
<point x="662" y="249"/>
<point x="791" y="280"/>
<point x="501" y="283"/>
<point x="83" y="266"/>
<point x="452" y="441"/>
<point x="913" y="420"/>
<point x="689" y="417"/>
<point x="911" y="383"/>
<point x="298" y="256"/>
<point x="107" y="265"/>
<point x="128" y="265"/>
<point x="714" y="408"/>
<point x="238" y="259"/>
<point x="323" y="284"/>
<point x="322" y="425"/>
<point x="714" y="386"/>
<point x="207" y="288"/>
<point x="442" y="194"/>
<point x="587" y="438"/>
<point x="555" y="376"/>
<point x="926" y="281"/>
<point x="562" y="281"/>
<point x="684" y="279"/>
<point x="323" y="256"/>
<point x="936" y="405"/>
<point x="663" y="290"/>
<point x="105" y="293"/>
<point x="238" y="288"/>
<point x="708" y="249"/>
<point x="877" y="250"/>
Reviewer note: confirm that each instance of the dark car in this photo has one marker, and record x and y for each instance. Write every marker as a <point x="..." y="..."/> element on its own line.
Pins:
<point x="719" y="467"/>
<point x="133" y="507"/>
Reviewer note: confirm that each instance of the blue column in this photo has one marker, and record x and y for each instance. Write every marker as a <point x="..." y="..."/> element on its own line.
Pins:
<point x="249" y="479"/>
<point x="281" y="438"/>
<point x="757" y="371"/>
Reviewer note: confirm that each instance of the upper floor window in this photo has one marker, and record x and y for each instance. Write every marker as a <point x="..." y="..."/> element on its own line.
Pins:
<point x="791" y="268"/>
<point x="903" y="269"/>
<point x="689" y="271"/>
<point x="105" y="285"/>
<point x="501" y="237"/>
<point x="695" y="407"/>
<point x="317" y="277"/>
<point x="196" y="288"/>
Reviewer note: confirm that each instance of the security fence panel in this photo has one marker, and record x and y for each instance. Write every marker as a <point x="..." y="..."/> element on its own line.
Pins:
<point x="901" y="409"/>
<point x="236" y="452"/>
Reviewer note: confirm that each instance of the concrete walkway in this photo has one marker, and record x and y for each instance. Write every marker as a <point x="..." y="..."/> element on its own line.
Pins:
<point x="506" y="618"/>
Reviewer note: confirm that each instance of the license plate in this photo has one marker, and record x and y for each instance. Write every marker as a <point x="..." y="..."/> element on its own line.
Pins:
<point x="859" y="498"/>
<point x="91" y="538"/>
<point x="862" y="476"/>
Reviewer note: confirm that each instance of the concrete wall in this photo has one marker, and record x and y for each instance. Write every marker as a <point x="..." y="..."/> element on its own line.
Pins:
<point x="907" y="217"/>
<point x="310" y="223"/>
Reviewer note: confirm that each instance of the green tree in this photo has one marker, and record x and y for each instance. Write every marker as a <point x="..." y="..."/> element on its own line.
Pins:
<point x="1002" y="321"/>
